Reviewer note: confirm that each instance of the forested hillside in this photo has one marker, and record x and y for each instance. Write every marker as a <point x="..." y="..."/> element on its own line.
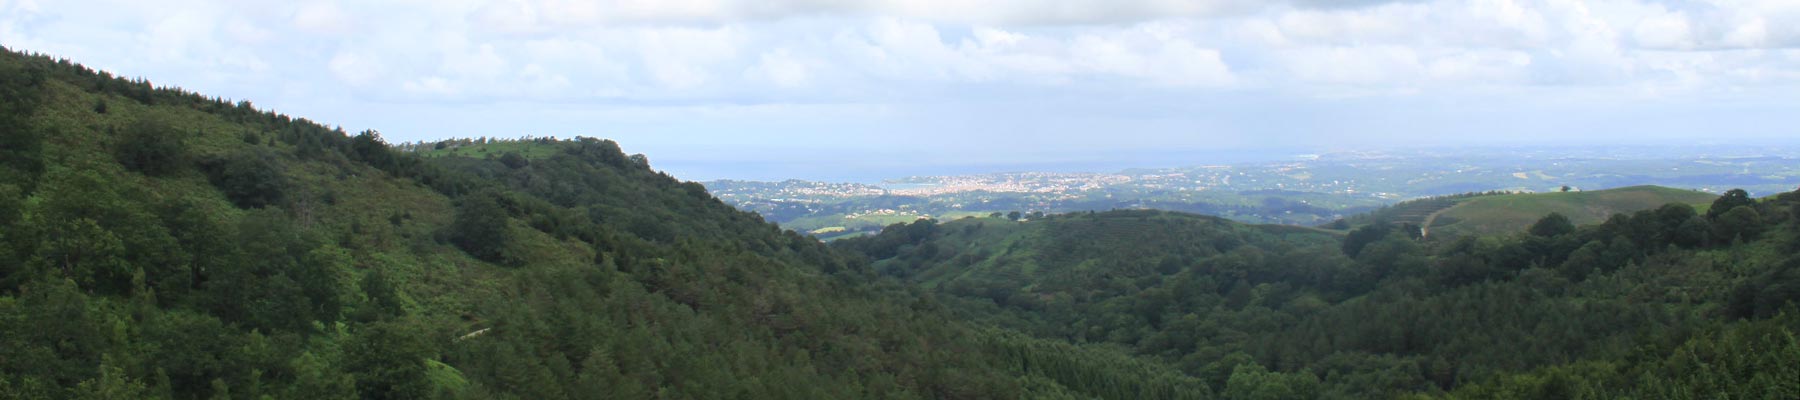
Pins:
<point x="1664" y="303"/>
<point x="161" y="244"/>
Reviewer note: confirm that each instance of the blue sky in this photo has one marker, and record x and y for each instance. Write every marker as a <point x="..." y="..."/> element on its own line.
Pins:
<point x="849" y="90"/>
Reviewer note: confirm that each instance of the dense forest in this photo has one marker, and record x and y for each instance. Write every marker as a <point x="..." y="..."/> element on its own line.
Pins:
<point x="1664" y="303"/>
<point x="161" y="244"/>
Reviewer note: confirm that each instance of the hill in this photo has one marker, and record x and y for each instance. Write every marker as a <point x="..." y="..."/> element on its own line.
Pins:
<point x="1611" y="310"/>
<point x="1483" y="215"/>
<point x="161" y="244"/>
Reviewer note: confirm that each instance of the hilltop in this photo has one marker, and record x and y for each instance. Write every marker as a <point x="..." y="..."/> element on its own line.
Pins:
<point x="1514" y="212"/>
<point x="1489" y="213"/>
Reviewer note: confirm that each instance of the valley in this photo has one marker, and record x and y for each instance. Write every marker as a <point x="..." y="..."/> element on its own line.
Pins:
<point x="1308" y="190"/>
<point x="157" y="243"/>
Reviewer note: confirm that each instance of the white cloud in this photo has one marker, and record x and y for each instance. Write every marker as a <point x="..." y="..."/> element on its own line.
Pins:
<point x="1028" y="12"/>
<point x="1150" y="53"/>
<point x="682" y="58"/>
<point x="1356" y="65"/>
<point x="322" y="17"/>
<point x="912" y="55"/>
<point x="780" y="68"/>
<point x="1665" y="31"/>
<point x="354" y="69"/>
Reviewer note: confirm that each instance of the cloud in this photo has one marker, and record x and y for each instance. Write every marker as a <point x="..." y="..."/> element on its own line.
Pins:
<point x="322" y="17"/>
<point x="781" y="68"/>
<point x="1028" y="12"/>
<point x="1155" y="53"/>
<point x="942" y="61"/>
<point x="1665" y="31"/>
<point x="684" y="58"/>
<point x="354" y="69"/>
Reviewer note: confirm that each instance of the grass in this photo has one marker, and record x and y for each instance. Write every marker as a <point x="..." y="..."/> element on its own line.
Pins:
<point x="826" y="230"/>
<point x="1515" y="212"/>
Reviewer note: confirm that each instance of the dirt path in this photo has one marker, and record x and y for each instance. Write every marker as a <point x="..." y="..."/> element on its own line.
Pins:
<point x="1425" y="226"/>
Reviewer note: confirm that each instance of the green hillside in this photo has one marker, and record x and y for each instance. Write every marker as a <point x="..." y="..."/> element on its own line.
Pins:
<point x="1659" y="303"/>
<point x="1506" y="213"/>
<point x="159" y="244"/>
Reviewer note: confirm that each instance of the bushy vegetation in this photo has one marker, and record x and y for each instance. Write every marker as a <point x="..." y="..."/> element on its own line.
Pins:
<point x="159" y="244"/>
<point x="172" y="246"/>
<point x="1650" y="304"/>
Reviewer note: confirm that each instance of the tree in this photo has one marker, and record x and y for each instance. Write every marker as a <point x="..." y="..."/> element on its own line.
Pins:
<point x="1552" y="225"/>
<point x="83" y="251"/>
<point x="995" y="214"/>
<point x="12" y="204"/>
<point x="250" y="178"/>
<point x="21" y="140"/>
<point x="1765" y="295"/>
<point x="1740" y="223"/>
<point x="152" y="146"/>
<point x="383" y="296"/>
<point x="368" y="147"/>
<point x="1013" y="215"/>
<point x="1253" y="382"/>
<point x="1691" y="233"/>
<point x="481" y="227"/>
<point x="273" y="285"/>
<point x="323" y="274"/>
<point x="113" y="383"/>
<point x="388" y="361"/>
<point x="1566" y="188"/>
<point x="1583" y="261"/>
<point x="1732" y="199"/>
<point x="1362" y="237"/>
<point x="314" y="378"/>
<point x="513" y="160"/>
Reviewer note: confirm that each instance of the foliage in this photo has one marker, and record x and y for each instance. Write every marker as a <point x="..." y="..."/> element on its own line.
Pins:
<point x="153" y="147"/>
<point x="1557" y="311"/>
<point x="251" y="178"/>
<point x="1552" y="225"/>
<point x="482" y="228"/>
<point x="304" y="262"/>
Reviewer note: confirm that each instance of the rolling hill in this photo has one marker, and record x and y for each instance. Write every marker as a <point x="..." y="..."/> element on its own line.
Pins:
<point x="1505" y="213"/>
<point x="1602" y="311"/>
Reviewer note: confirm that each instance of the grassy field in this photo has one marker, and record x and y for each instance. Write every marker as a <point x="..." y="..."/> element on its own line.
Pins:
<point x="836" y="226"/>
<point x="1515" y="212"/>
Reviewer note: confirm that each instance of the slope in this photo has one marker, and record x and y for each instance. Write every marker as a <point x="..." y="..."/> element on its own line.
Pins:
<point x="1514" y="212"/>
<point x="156" y="243"/>
<point x="1647" y="304"/>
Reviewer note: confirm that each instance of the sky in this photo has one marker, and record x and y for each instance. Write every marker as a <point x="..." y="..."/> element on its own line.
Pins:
<point x="849" y="90"/>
